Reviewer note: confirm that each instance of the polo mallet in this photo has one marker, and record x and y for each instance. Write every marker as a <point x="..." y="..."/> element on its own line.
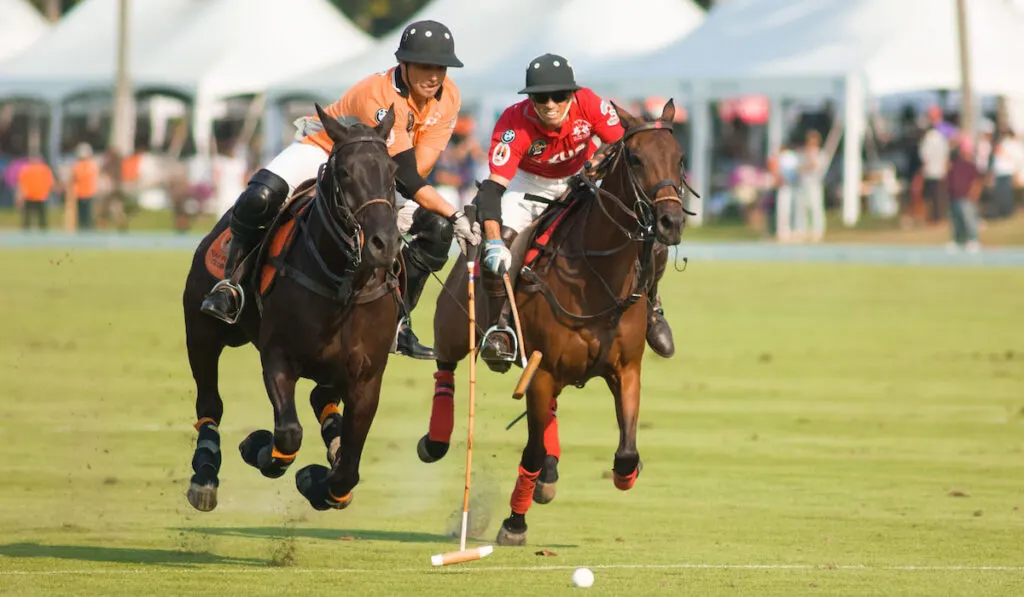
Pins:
<point x="529" y="366"/>
<point x="468" y="555"/>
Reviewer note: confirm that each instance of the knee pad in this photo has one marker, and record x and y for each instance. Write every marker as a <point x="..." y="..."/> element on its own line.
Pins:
<point x="260" y="201"/>
<point x="434" y="234"/>
<point x="508" y="235"/>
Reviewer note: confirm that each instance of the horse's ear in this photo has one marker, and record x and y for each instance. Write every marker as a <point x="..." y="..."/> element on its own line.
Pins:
<point x="628" y="120"/>
<point x="335" y="130"/>
<point x="668" y="113"/>
<point x="383" y="127"/>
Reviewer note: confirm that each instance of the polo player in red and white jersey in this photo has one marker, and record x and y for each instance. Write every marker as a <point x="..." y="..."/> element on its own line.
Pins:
<point x="537" y="145"/>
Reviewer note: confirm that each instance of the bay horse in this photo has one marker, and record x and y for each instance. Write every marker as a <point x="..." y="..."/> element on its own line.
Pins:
<point x="581" y="301"/>
<point x="319" y="317"/>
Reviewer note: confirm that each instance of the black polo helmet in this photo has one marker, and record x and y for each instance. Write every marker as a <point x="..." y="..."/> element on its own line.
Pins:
<point x="428" y="42"/>
<point x="549" y="72"/>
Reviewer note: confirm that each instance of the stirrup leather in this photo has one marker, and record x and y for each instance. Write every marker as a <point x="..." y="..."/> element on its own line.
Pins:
<point x="237" y="289"/>
<point x="508" y="357"/>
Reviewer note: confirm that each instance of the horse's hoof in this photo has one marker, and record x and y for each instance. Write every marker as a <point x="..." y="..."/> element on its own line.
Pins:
<point x="312" y="483"/>
<point x="544" y="493"/>
<point x="202" y="497"/>
<point x="255" y="443"/>
<point x="547" y="481"/>
<point x="626" y="482"/>
<point x="509" y="538"/>
<point x="431" y="451"/>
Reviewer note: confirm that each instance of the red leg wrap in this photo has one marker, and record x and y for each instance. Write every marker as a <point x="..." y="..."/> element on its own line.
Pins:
<point x="522" y="495"/>
<point x="551" y="445"/>
<point x="442" y="413"/>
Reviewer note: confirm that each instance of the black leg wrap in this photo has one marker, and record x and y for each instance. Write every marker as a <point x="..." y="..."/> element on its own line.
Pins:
<point x="207" y="457"/>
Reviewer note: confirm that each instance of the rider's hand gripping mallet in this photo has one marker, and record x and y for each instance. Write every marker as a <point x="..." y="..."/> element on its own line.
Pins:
<point x="468" y="555"/>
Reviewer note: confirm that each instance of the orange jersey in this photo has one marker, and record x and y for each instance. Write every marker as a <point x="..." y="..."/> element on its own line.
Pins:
<point x="369" y="99"/>
<point x="85" y="175"/>
<point x="35" y="181"/>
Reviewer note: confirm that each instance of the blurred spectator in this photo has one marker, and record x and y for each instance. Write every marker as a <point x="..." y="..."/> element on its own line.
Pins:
<point x="35" y="183"/>
<point x="965" y="184"/>
<point x="454" y="172"/>
<point x="810" y="203"/>
<point x="1007" y="162"/>
<point x="112" y="204"/>
<point x="84" y="183"/>
<point x="934" y="153"/>
<point x="788" y="166"/>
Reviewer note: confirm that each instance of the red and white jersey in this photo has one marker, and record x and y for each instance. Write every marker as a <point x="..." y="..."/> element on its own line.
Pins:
<point x="520" y="141"/>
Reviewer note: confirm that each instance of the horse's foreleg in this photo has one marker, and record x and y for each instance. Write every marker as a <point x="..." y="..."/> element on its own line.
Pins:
<point x="451" y="343"/>
<point x="204" y="350"/>
<point x="332" y="488"/>
<point x="539" y="396"/>
<point x="273" y="453"/>
<point x="625" y="386"/>
<point x="324" y="399"/>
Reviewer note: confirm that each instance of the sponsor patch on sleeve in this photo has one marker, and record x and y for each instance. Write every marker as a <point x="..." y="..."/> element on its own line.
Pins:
<point x="508" y="136"/>
<point x="501" y="153"/>
<point x="381" y="114"/>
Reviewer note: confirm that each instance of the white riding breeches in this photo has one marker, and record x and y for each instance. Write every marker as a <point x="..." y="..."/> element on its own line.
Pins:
<point x="518" y="212"/>
<point x="299" y="162"/>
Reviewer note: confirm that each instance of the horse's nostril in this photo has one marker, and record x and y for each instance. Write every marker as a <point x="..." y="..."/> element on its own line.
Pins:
<point x="377" y="244"/>
<point x="666" y="222"/>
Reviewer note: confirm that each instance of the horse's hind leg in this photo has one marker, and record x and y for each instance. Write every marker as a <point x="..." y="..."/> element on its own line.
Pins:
<point x="324" y="399"/>
<point x="451" y="344"/>
<point x="539" y="396"/>
<point x="625" y="386"/>
<point x="273" y="453"/>
<point x="204" y="349"/>
<point x="547" y="482"/>
<point x="326" y="489"/>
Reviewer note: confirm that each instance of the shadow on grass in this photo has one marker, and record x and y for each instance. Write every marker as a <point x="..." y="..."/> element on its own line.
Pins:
<point x="278" y="533"/>
<point x="122" y="555"/>
<point x="325" y="534"/>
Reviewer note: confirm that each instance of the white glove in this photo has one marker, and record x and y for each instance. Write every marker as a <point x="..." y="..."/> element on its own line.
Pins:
<point x="465" y="231"/>
<point x="497" y="257"/>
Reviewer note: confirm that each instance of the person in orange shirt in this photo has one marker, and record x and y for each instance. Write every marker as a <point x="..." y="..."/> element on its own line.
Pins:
<point x="35" y="182"/>
<point x="85" y="175"/>
<point x="426" y="104"/>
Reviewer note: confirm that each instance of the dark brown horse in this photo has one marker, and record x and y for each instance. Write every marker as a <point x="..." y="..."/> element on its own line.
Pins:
<point x="322" y="290"/>
<point x="582" y="301"/>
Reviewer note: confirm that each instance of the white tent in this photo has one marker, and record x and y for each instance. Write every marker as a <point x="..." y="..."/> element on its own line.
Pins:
<point x="79" y="53"/>
<point x="837" y="48"/>
<point x="20" y="27"/>
<point x="484" y="32"/>
<point x="622" y="32"/>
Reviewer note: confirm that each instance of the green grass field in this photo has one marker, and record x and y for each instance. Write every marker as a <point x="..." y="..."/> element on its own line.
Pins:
<point x="823" y="429"/>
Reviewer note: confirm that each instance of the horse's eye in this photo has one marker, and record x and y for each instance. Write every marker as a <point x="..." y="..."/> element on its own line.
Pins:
<point x="634" y="160"/>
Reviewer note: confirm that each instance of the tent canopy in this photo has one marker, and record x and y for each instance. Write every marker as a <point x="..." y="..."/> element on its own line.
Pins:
<point x="206" y="48"/>
<point x="644" y="27"/>
<point x="20" y="27"/>
<point x="804" y="47"/>
<point x="483" y="34"/>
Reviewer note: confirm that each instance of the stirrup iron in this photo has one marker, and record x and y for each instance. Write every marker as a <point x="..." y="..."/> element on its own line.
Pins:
<point x="509" y="357"/>
<point x="236" y="288"/>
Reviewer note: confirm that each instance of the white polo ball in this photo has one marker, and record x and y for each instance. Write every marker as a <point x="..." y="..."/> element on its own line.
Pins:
<point x="582" y="577"/>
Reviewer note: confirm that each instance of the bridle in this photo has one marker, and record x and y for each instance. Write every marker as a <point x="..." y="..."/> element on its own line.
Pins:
<point x="645" y="199"/>
<point x="344" y="228"/>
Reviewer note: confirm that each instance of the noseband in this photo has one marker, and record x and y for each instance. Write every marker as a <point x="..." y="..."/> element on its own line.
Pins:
<point x="344" y="229"/>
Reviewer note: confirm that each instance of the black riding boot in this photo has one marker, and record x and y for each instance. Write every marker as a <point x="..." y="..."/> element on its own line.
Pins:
<point x="408" y="344"/>
<point x="659" y="334"/>
<point x="498" y="347"/>
<point x="226" y="299"/>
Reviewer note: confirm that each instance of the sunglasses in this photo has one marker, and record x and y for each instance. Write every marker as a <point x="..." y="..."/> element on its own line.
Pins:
<point x="556" y="96"/>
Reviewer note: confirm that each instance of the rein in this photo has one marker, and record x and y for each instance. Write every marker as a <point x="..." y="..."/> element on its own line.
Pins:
<point x="341" y="225"/>
<point x="642" y="213"/>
